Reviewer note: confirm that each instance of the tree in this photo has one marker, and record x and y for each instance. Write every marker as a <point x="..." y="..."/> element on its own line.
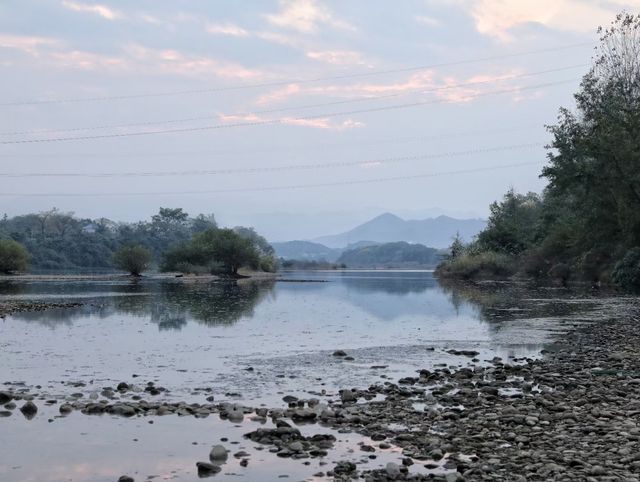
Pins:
<point x="13" y="256"/>
<point x="594" y="168"/>
<point x="228" y="248"/>
<point x="133" y="259"/>
<point x="512" y="224"/>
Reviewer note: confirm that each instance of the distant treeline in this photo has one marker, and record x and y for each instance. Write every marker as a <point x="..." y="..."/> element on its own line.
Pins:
<point x="391" y="255"/>
<point x="56" y="240"/>
<point x="386" y="255"/>
<point x="586" y="223"/>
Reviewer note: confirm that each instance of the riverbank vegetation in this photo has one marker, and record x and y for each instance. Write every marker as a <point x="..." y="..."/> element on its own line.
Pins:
<point x="59" y="241"/>
<point x="586" y="223"/>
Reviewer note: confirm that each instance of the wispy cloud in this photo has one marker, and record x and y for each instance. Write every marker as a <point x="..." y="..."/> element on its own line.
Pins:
<point x="28" y="44"/>
<point x="305" y="16"/>
<point x="449" y="89"/>
<point x="226" y="29"/>
<point x="497" y="18"/>
<point x="176" y="62"/>
<point x="337" y="57"/>
<point x="315" y="123"/>
<point x="97" y="9"/>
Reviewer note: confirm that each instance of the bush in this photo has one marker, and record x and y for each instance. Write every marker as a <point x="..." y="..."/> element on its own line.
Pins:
<point x="487" y="264"/>
<point x="627" y="271"/>
<point x="13" y="256"/>
<point x="134" y="259"/>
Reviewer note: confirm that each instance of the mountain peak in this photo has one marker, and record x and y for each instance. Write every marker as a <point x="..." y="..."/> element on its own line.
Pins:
<point x="387" y="217"/>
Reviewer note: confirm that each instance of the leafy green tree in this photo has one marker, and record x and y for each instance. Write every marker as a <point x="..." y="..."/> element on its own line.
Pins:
<point x="13" y="256"/>
<point x="513" y="223"/>
<point x="228" y="248"/>
<point x="133" y="259"/>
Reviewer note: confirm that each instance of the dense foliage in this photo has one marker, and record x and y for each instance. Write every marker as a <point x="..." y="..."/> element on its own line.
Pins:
<point x="396" y="255"/>
<point x="57" y="240"/>
<point x="221" y="251"/>
<point x="13" y="256"/>
<point x="133" y="259"/>
<point x="586" y="225"/>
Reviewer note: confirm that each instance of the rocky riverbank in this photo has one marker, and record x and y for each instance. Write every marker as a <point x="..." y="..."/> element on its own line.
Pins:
<point x="571" y="415"/>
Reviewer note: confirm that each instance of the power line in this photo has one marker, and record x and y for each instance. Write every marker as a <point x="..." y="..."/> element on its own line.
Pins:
<point x="279" y="120"/>
<point x="278" y="188"/>
<point x="271" y="148"/>
<point x="290" y="167"/>
<point x="307" y="106"/>
<point x="293" y="81"/>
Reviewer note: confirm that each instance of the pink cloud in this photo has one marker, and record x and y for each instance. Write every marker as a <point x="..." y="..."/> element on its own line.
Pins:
<point x="316" y="122"/>
<point x="305" y="16"/>
<point x="97" y="9"/>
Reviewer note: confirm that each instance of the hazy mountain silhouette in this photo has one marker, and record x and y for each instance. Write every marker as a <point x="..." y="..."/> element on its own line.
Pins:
<point x="386" y="228"/>
<point x="306" y="251"/>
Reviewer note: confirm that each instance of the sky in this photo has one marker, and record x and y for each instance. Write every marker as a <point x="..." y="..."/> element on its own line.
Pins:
<point x="298" y="117"/>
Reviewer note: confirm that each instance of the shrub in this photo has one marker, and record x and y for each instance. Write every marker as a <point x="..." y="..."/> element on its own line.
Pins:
<point x="487" y="264"/>
<point x="627" y="271"/>
<point x="134" y="259"/>
<point x="13" y="256"/>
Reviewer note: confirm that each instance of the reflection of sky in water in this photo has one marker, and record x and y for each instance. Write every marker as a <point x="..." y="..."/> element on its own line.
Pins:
<point x="181" y="334"/>
<point x="187" y="335"/>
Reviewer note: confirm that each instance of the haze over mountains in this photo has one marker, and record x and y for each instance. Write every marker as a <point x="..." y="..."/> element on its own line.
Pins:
<point x="385" y="228"/>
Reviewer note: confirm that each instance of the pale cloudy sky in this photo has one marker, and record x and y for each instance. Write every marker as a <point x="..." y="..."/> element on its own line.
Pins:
<point x="419" y="97"/>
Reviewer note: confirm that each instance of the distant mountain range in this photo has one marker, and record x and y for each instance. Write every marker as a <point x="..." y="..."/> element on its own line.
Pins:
<point x="386" y="228"/>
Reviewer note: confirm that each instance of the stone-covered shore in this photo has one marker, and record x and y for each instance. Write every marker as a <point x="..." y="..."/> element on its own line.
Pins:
<point x="571" y="415"/>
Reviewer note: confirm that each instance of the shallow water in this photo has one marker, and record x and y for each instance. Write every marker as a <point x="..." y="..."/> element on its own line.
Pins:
<point x="251" y="341"/>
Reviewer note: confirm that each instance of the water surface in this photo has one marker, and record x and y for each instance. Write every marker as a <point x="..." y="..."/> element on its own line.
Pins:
<point x="247" y="341"/>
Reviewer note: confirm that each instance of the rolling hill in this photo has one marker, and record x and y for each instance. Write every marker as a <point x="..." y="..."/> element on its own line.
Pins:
<point x="387" y="228"/>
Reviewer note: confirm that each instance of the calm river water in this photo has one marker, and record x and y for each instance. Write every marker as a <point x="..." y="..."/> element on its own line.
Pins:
<point x="250" y="342"/>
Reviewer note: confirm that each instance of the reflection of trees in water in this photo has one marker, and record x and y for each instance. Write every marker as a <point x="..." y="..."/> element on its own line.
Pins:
<point x="169" y="304"/>
<point x="497" y="302"/>
<point x="221" y="303"/>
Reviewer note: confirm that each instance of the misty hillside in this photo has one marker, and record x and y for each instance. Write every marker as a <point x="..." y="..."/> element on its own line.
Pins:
<point x="391" y="255"/>
<point x="387" y="228"/>
<point x="306" y="251"/>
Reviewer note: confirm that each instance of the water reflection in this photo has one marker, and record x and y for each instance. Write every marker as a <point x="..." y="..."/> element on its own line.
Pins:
<point x="168" y="304"/>
<point x="383" y="295"/>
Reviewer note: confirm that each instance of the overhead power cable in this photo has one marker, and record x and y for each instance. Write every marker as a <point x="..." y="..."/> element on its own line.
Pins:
<point x="280" y="120"/>
<point x="277" y="148"/>
<point x="294" y="81"/>
<point x="307" y="106"/>
<point x="290" y="167"/>
<point x="276" y="188"/>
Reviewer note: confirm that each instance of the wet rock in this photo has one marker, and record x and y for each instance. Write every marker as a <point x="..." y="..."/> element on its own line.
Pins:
<point x="5" y="413"/>
<point x="29" y="410"/>
<point x="348" y="396"/>
<point x="125" y="478"/>
<point x="206" y="469"/>
<point x="340" y="353"/>
<point x="344" y="467"/>
<point x="393" y="470"/>
<point x="218" y="453"/>
<point x="5" y="397"/>
<point x="122" y="387"/>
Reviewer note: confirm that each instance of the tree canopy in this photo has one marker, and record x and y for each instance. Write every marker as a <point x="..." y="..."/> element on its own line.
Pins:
<point x="587" y="221"/>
